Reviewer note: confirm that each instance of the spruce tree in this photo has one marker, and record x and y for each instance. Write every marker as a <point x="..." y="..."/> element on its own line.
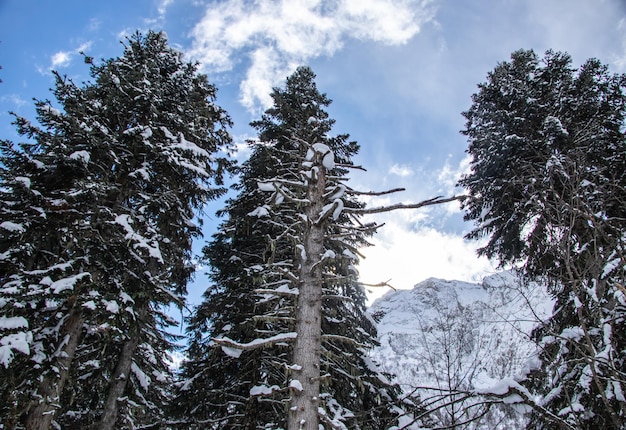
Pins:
<point x="123" y="167"/>
<point x="41" y="270"/>
<point x="547" y="187"/>
<point x="215" y="392"/>
<point x="242" y="369"/>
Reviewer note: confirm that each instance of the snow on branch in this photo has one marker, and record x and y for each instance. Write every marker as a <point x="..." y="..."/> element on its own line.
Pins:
<point x="286" y="272"/>
<point x="510" y="391"/>
<point x="228" y="344"/>
<point x="282" y="290"/>
<point x="335" y="208"/>
<point x="264" y="390"/>
<point x="12" y="227"/>
<point x="152" y="246"/>
<point x="68" y="283"/>
<point x="11" y="342"/>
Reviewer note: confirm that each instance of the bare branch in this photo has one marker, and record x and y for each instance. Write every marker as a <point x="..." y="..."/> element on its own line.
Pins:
<point x="375" y="193"/>
<point x="380" y="284"/>
<point x="351" y="166"/>
<point x="434" y="201"/>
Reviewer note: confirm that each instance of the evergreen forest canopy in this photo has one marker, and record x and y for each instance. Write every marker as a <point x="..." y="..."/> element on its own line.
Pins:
<point x="99" y="207"/>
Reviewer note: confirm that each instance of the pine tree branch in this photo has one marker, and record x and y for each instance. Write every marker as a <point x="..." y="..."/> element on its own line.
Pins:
<point x="256" y="343"/>
<point x="365" y="229"/>
<point x="338" y="297"/>
<point x="269" y="318"/>
<point x="343" y="339"/>
<point x="278" y="292"/>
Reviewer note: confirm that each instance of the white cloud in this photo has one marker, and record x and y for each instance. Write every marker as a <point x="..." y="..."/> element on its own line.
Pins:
<point x="156" y="21"/>
<point x="242" y="150"/>
<point x="414" y="245"/>
<point x="63" y="59"/>
<point x="401" y="170"/>
<point x="408" y="256"/>
<point x="162" y="7"/>
<point x="275" y="36"/>
<point x="255" y="88"/>
<point x="450" y="175"/>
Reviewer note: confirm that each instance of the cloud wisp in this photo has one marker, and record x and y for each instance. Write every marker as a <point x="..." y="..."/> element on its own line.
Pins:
<point x="401" y="170"/>
<point x="270" y="38"/>
<point x="63" y="59"/>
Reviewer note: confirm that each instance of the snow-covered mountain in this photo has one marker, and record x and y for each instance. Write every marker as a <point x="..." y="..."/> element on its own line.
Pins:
<point x="445" y="338"/>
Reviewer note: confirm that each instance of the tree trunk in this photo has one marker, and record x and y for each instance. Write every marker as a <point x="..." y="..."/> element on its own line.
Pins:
<point x="120" y="377"/>
<point x="118" y="384"/>
<point x="40" y="417"/>
<point x="304" y="403"/>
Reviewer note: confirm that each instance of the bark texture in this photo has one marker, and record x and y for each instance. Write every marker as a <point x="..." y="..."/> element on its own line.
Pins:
<point x="120" y="378"/>
<point x="308" y="343"/>
<point x="40" y="416"/>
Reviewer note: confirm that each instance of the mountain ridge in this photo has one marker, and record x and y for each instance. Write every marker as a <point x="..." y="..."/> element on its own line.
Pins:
<point x="444" y="338"/>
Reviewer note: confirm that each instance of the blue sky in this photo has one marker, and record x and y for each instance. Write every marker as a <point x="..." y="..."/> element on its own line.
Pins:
<point x="400" y="73"/>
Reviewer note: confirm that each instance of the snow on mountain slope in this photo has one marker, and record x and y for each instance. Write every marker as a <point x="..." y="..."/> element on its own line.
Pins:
<point x="448" y="337"/>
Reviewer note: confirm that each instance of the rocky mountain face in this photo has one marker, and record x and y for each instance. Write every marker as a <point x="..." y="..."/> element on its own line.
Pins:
<point x="446" y="339"/>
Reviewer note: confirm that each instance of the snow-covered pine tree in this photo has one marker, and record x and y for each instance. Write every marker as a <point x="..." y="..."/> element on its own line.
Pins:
<point x="548" y="187"/>
<point x="41" y="269"/>
<point x="216" y="383"/>
<point x="244" y="369"/>
<point x="215" y="387"/>
<point x="144" y="138"/>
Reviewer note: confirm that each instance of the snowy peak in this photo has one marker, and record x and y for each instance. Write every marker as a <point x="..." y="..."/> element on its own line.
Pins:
<point x="425" y="296"/>
<point x="454" y="335"/>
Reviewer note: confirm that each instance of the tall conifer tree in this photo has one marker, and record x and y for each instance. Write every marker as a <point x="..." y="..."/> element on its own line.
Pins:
<point x="97" y="236"/>
<point x="241" y="371"/>
<point x="547" y="187"/>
